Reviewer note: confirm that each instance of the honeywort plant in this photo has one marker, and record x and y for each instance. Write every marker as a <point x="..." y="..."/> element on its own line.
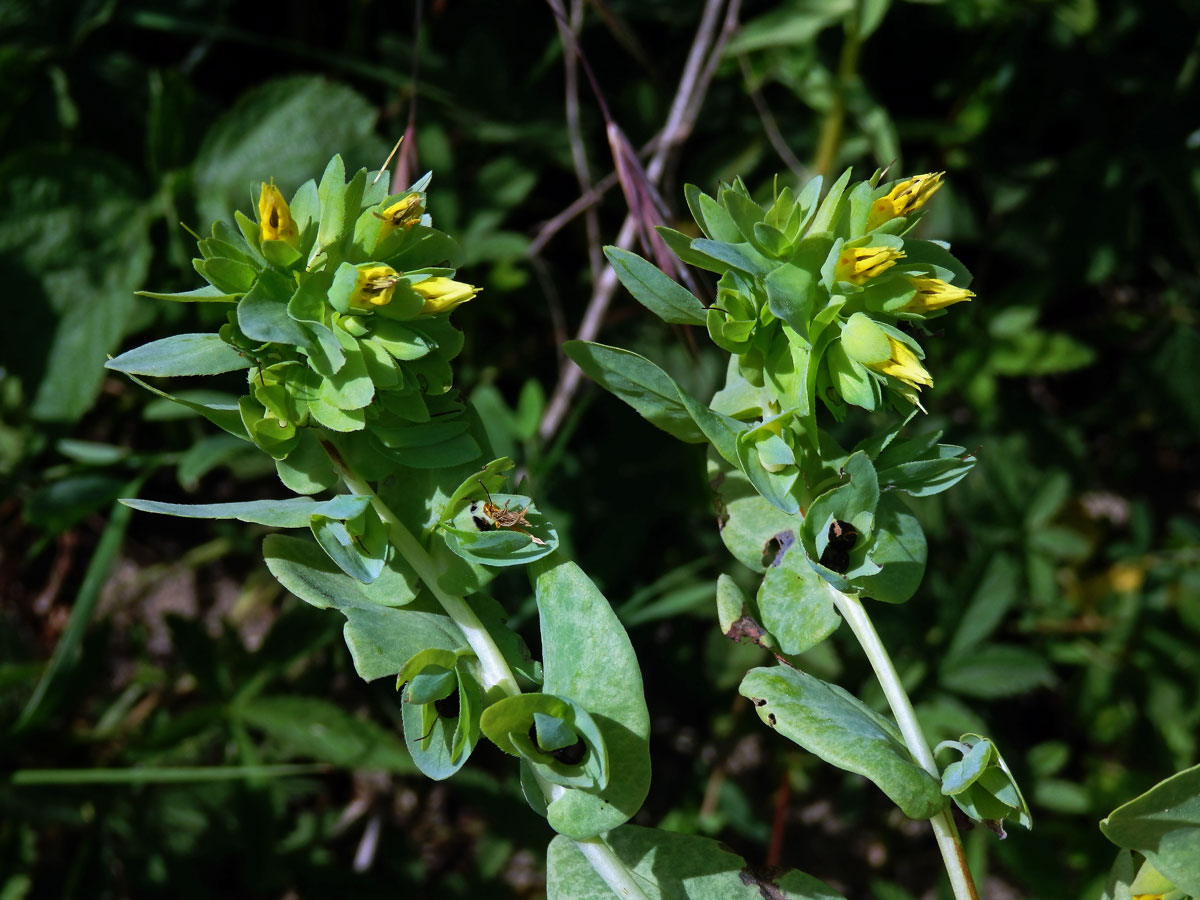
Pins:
<point x="820" y="304"/>
<point x="339" y="304"/>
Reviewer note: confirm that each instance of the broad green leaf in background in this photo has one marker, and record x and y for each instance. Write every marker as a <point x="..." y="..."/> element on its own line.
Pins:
<point x="285" y="129"/>
<point x="1163" y="824"/>
<point x="843" y="731"/>
<point x="670" y="866"/>
<point x="316" y="728"/>
<point x="995" y="670"/>
<point x="73" y="249"/>
<point x="587" y="658"/>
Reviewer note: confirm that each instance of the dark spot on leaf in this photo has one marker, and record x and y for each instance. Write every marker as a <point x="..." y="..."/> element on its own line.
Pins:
<point x="571" y="756"/>
<point x="746" y="628"/>
<point x="568" y="756"/>
<point x="447" y="707"/>
<point x="776" y="547"/>
<point x="842" y="537"/>
<point x="763" y="878"/>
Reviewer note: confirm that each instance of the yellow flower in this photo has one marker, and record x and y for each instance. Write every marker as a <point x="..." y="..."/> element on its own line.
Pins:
<point x="902" y="363"/>
<point x="404" y="213"/>
<point x="905" y="198"/>
<point x="859" y="264"/>
<point x="443" y="294"/>
<point x="274" y="217"/>
<point x="933" y="293"/>
<point x="864" y="341"/>
<point x="374" y="286"/>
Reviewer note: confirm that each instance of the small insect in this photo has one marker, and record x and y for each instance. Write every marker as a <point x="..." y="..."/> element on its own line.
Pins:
<point x="494" y="517"/>
<point x="376" y="286"/>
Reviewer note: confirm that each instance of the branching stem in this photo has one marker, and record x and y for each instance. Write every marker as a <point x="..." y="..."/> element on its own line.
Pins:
<point x="944" y="829"/>
<point x="493" y="668"/>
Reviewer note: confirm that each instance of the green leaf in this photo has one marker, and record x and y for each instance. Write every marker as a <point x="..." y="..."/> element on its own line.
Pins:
<point x="292" y="513"/>
<point x="262" y="314"/>
<point x="671" y="866"/>
<point x="638" y="382"/>
<point x="306" y="570"/>
<point x="587" y="658"/>
<point x="1163" y="824"/>
<point x="655" y="290"/>
<point x="317" y="729"/>
<point x="307" y="469"/>
<point x="225" y="416"/>
<point x="796" y="603"/>
<point x="898" y="547"/>
<point x="750" y="525"/>
<point x="206" y="294"/>
<point x="73" y="249"/>
<point x="180" y="354"/>
<point x="995" y="595"/>
<point x="300" y="122"/>
<point x="381" y="640"/>
<point x="843" y="731"/>
<point x="357" y="559"/>
<point x="742" y="257"/>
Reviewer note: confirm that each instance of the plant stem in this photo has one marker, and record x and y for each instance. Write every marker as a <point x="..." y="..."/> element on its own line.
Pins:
<point x="944" y="829"/>
<point x="494" y="670"/>
<point x="614" y="872"/>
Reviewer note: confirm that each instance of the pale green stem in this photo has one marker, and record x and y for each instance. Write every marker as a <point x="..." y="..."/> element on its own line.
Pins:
<point x="493" y="668"/>
<point x="944" y="829"/>
<point x="614" y="872"/>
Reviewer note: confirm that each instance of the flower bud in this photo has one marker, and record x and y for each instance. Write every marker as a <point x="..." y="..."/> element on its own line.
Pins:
<point x="374" y="286"/>
<point x="934" y="294"/>
<point x="404" y="213"/>
<point x="903" y="199"/>
<point x="443" y="294"/>
<point x="274" y="218"/>
<point x="858" y="265"/>
<point x="864" y="341"/>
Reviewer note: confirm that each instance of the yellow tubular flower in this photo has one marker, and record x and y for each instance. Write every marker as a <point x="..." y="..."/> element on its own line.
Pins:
<point x="905" y="198"/>
<point x="274" y="217"/>
<point x="902" y="363"/>
<point x="933" y="293"/>
<point x="859" y="264"/>
<point x="443" y="294"/>
<point x="374" y="287"/>
<point x="404" y="213"/>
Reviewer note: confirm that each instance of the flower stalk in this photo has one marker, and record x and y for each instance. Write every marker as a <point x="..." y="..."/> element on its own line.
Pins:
<point x="944" y="829"/>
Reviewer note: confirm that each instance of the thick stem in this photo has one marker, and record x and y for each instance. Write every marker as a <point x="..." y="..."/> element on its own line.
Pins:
<point x="943" y="824"/>
<point x="614" y="872"/>
<point x="493" y="668"/>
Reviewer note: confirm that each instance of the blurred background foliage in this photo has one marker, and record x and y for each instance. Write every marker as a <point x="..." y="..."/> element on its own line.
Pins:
<point x="178" y="725"/>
